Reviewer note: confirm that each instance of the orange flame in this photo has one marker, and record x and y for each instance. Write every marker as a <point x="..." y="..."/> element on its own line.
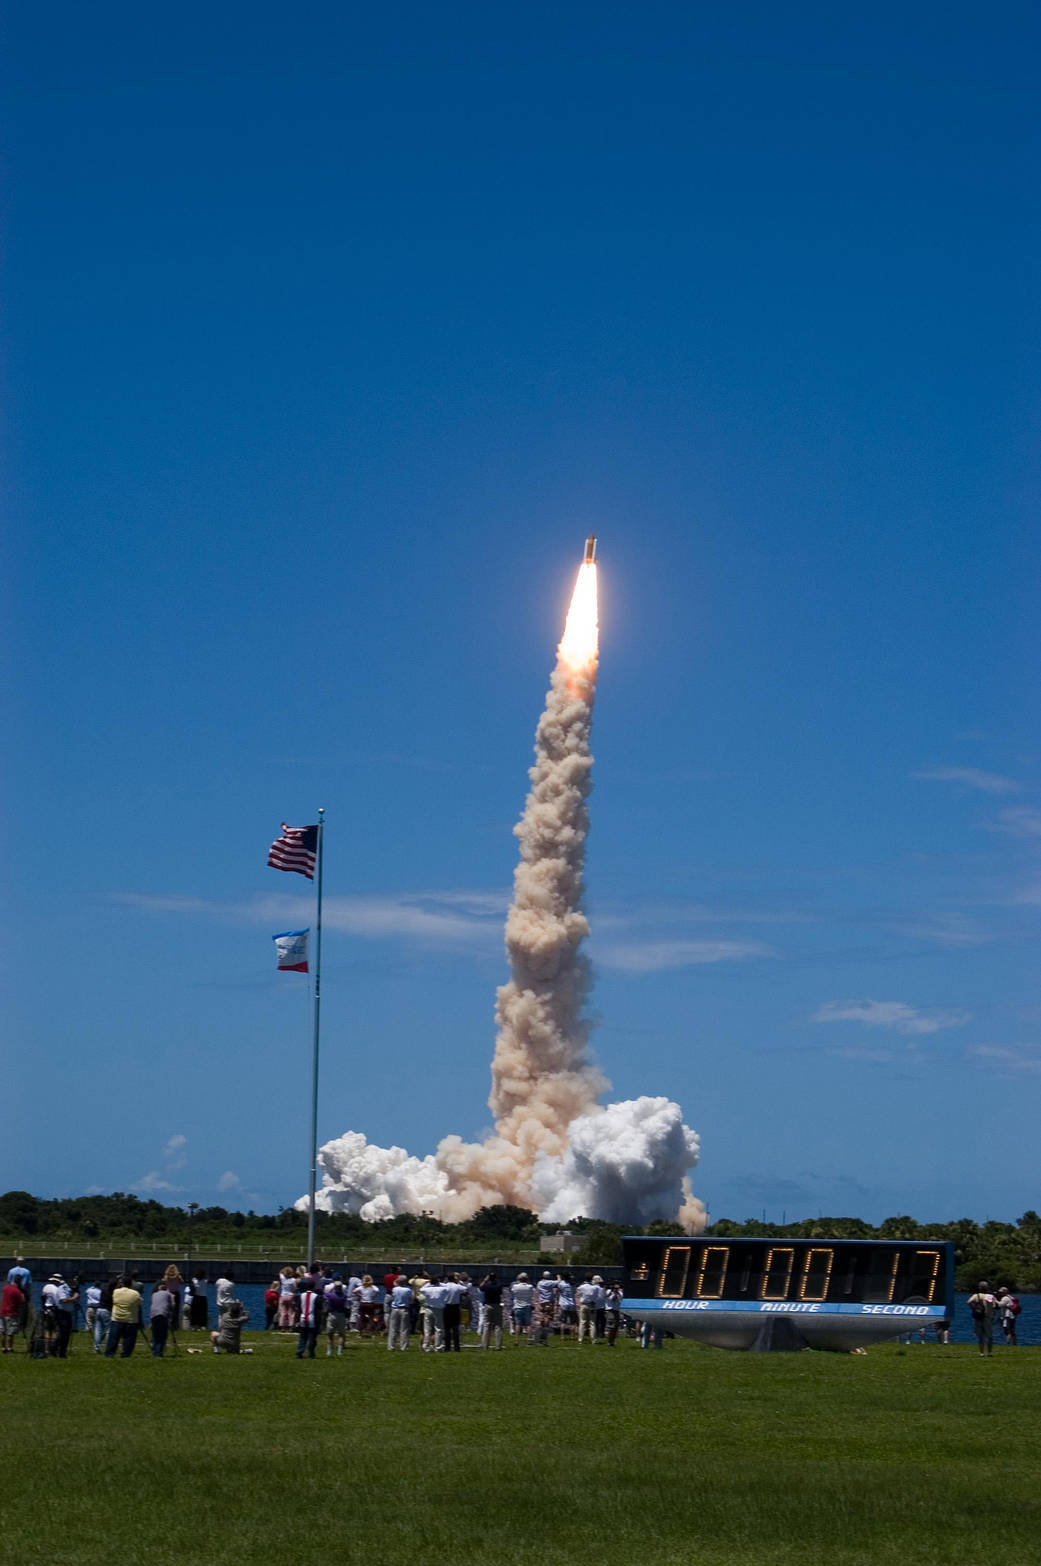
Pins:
<point x="578" y="645"/>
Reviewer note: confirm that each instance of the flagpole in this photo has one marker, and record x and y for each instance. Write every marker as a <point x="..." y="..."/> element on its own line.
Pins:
<point x="314" y="1066"/>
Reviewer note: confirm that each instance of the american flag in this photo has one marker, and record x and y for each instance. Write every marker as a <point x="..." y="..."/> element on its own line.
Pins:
<point x="295" y="850"/>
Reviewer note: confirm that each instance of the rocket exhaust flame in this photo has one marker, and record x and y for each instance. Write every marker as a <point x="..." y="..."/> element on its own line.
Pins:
<point x="555" y="1148"/>
<point x="580" y="642"/>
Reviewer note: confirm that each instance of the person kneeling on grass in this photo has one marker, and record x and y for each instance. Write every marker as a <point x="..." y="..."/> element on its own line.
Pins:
<point x="233" y="1317"/>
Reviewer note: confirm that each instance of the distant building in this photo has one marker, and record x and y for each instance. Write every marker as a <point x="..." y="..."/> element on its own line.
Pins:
<point x="564" y="1243"/>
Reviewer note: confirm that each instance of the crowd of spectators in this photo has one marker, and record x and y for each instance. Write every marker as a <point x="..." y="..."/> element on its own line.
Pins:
<point x="432" y="1308"/>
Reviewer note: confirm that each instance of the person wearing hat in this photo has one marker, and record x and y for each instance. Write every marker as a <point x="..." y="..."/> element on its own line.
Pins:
<point x="68" y="1297"/>
<point x="981" y="1305"/>
<point x="49" y="1303"/>
<point x="1007" y="1308"/>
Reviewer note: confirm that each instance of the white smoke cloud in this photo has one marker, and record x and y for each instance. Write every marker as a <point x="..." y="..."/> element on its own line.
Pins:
<point x="376" y="1182"/>
<point x="556" y="1148"/>
<point x="625" y="1163"/>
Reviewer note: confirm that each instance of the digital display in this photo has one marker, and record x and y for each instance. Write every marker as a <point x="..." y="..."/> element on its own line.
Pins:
<point x="798" y="1272"/>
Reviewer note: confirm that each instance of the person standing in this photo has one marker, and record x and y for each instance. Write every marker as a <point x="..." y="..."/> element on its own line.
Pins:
<point x="127" y="1306"/>
<point x="336" y="1306"/>
<point x="287" y="1300"/>
<point x="19" y="1274"/>
<point x="1008" y="1308"/>
<point x="399" y="1313"/>
<point x="600" y="1306"/>
<point x="21" y="1277"/>
<point x="416" y="1285"/>
<point x="91" y="1297"/>
<point x="103" y="1316"/>
<point x="310" y="1323"/>
<point x="491" y="1312"/>
<point x="12" y="1303"/>
<point x="68" y="1297"/>
<point x="354" y="1296"/>
<point x="475" y="1299"/>
<point x="174" y="1284"/>
<point x="586" y="1296"/>
<point x="368" y="1306"/>
<point x="225" y="1292"/>
<point x="521" y="1295"/>
<point x="199" y="1308"/>
<point x="613" y="1311"/>
<point x="981" y="1306"/>
<point x="545" y="1308"/>
<point x="566" y="1302"/>
<point x="454" y="1292"/>
<point x="433" y="1296"/>
<point x="49" y="1312"/>
<point x="161" y="1316"/>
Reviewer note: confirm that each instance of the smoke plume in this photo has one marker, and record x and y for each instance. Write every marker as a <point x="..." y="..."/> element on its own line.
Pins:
<point x="555" y="1148"/>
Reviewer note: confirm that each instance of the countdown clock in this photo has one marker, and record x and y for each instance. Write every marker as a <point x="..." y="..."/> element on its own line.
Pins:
<point x="837" y="1294"/>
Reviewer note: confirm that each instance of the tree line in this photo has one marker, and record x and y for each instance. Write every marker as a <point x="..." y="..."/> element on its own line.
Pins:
<point x="1003" y="1253"/>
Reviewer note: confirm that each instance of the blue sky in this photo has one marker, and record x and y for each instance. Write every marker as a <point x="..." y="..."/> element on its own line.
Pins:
<point x="328" y="337"/>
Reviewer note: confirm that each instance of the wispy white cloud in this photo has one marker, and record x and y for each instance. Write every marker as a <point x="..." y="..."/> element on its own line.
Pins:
<point x="172" y="1157"/>
<point x="154" y="1181"/>
<point x="971" y="777"/>
<point x="453" y="918"/>
<point x="953" y="930"/>
<point x="863" y="1052"/>
<point x="473" y="920"/>
<point x="659" y="956"/>
<point x="676" y="913"/>
<point x="890" y="1014"/>
<point x="1020" y="1059"/>
<point x="1018" y="821"/>
<point x="229" y="1181"/>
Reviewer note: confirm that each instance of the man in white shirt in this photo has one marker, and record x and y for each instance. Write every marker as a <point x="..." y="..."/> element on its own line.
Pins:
<point x="225" y="1292"/>
<point x="91" y="1301"/>
<point x="354" y="1295"/>
<point x="521" y="1294"/>
<point x="399" y="1314"/>
<point x="589" y="1297"/>
<point x="57" y="1323"/>
<point x="454" y="1291"/>
<point x="433" y="1296"/>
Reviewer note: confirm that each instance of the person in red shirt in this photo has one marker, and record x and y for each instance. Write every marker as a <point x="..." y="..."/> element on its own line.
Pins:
<point x="12" y="1310"/>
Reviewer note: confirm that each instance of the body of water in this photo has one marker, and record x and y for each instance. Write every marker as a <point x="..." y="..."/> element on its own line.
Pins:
<point x="1028" y="1325"/>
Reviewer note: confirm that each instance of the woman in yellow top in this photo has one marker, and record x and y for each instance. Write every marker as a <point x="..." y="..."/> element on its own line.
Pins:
<point x="126" y="1318"/>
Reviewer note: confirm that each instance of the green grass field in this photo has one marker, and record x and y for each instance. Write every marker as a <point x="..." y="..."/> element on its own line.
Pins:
<point x="918" y="1455"/>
